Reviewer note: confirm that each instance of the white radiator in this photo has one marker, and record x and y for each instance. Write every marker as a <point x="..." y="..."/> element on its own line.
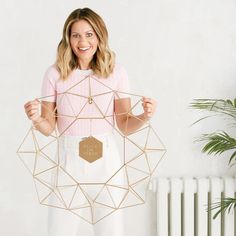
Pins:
<point x="181" y="206"/>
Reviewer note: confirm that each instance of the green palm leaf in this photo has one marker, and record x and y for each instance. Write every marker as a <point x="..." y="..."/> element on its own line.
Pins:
<point x="224" y="205"/>
<point x="217" y="143"/>
<point x="216" y="106"/>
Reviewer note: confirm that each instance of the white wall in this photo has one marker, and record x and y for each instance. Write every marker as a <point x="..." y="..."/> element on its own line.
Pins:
<point x="174" y="51"/>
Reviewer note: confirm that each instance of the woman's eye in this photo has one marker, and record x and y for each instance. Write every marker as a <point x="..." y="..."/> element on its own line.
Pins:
<point x="74" y="35"/>
<point x="89" y="34"/>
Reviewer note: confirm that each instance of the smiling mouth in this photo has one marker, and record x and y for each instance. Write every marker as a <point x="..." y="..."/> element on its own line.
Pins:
<point x="84" y="49"/>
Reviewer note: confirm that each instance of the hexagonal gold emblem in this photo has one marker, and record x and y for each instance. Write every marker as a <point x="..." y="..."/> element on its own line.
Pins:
<point x="90" y="149"/>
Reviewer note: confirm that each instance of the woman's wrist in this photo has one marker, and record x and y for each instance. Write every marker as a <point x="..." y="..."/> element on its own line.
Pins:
<point x="145" y="118"/>
<point x="37" y="121"/>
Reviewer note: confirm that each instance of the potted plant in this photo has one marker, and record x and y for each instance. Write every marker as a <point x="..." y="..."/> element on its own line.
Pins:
<point x="219" y="142"/>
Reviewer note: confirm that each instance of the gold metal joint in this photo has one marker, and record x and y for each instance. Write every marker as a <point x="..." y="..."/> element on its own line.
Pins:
<point x="90" y="100"/>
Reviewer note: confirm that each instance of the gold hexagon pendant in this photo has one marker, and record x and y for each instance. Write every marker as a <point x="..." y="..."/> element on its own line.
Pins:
<point x="90" y="149"/>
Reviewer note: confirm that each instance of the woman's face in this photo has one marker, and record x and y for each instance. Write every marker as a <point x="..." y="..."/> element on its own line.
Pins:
<point x="83" y="40"/>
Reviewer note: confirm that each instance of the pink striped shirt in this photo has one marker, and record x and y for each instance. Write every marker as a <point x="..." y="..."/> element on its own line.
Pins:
<point x="76" y="114"/>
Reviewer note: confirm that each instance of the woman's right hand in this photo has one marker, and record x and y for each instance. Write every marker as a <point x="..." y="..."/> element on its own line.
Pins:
<point x="32" y="110"/>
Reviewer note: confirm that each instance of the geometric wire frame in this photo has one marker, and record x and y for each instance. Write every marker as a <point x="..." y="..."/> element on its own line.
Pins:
<point x="126" y="186"/>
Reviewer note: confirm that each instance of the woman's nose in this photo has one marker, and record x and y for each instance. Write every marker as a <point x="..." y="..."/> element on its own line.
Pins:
<point x="82" y="39"/>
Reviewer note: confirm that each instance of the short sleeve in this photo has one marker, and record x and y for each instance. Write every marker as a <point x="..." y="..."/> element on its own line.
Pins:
<point x="48" y="90"/>
<point x="123" y="84"/>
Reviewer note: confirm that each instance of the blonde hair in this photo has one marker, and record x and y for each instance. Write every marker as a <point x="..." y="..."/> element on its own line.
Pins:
<point x="103" y="61"/>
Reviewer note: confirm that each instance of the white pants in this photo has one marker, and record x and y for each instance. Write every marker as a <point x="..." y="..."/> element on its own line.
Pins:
<point x="62" y="222"/>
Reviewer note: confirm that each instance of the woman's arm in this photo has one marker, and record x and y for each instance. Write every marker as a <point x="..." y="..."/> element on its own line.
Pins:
<point x="126" y="121"/>
<point x="44" y="123"/>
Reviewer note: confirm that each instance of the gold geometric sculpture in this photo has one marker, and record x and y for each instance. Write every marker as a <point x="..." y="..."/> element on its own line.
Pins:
<point x="123" y="186"/>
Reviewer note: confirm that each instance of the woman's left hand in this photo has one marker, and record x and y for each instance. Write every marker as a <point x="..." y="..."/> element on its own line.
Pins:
<point x="149" y="107"/>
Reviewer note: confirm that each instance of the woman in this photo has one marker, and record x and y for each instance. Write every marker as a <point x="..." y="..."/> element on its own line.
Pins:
<point x="76" y="90"/>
